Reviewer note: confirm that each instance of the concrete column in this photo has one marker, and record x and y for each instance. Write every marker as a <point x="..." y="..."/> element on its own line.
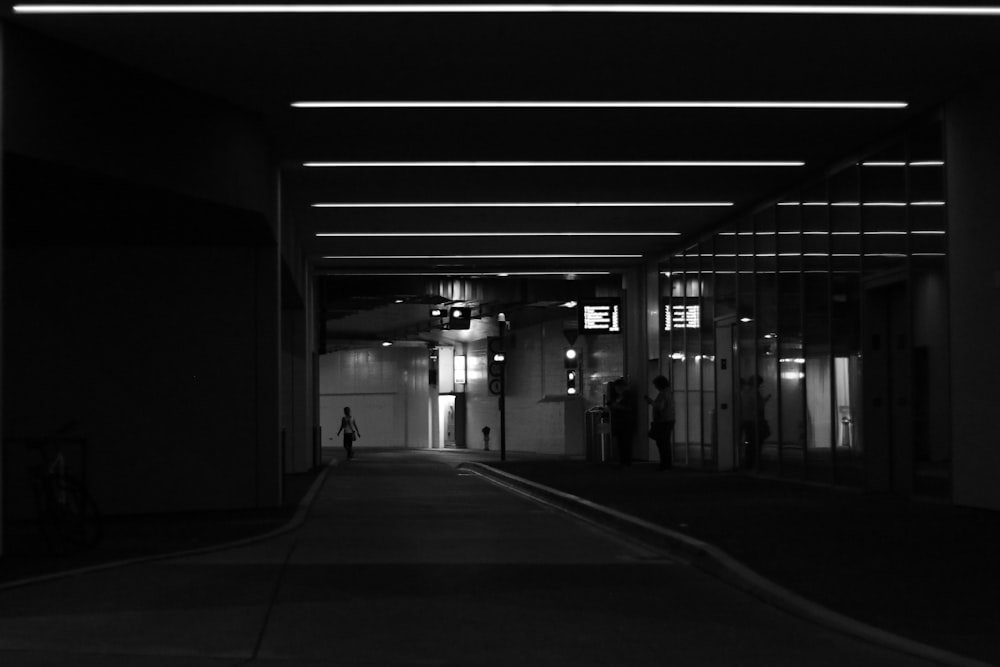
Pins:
<point x="268" y="412"/>
<point x="972" y="148"/>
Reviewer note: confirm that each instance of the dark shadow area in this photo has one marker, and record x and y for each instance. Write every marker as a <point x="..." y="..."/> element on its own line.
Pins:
<point x="139" y="536"/>
<point x="923" y="570"/>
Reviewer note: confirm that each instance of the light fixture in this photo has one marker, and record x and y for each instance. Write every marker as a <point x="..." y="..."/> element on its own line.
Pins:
<point x="556" y="163"/>
<point x="526" y="8"/>
<point x="584" y="204"/>
<point x="744" y="320"/>
<point x="460" y="235"/>
<point x="612" y="104"/>
<point x="460" y="369"/>
<point x="471" y="274"/>
<point x="387" y="343"/>
<point x="521" y="256"/>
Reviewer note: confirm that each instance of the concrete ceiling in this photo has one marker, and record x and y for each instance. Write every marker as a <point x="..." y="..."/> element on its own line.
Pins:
<point x="263" y="63"/>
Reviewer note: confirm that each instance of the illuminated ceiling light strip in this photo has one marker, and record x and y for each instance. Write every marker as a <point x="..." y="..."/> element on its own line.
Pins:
<point x="512" y="256"/>
<point x="350" y="104"/>
<point x="480" y="274"/>
<point x="561" y="163"/>
<point x="650" y="204"/>
<point x="460" y="235"/>
<point x="855" y="203"/>
<point x="928" y="163"/>
<point x="849" y="10"/>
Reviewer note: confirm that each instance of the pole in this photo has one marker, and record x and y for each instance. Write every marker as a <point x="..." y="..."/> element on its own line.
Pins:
<point x="503" y="394"/>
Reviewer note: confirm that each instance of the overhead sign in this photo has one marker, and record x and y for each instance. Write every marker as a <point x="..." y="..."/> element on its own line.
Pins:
<point x="597" y="316"/>
<point x="680" y="315"/>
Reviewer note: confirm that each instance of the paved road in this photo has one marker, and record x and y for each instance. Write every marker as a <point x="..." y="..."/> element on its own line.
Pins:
<point x="407" y="561"/>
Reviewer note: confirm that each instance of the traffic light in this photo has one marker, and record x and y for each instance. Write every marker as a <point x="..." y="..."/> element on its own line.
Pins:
<point x="571" y="360"/>
<point x="571" y="378"/>
<point x="494" y="364"/>
<point x="459" y="317"/>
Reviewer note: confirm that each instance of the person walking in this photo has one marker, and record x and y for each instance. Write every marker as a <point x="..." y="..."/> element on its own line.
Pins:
<point x="661" y="428"/>
<point x="351" y="432"/>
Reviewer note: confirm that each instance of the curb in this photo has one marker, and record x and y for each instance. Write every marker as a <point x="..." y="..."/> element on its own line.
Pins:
<point x="297" y="520"/>
<point x="714" y="561"/>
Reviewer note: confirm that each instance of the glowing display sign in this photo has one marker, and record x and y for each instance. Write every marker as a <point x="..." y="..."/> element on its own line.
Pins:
<point x="599" y="316"/>
<point x="681" y="316"/>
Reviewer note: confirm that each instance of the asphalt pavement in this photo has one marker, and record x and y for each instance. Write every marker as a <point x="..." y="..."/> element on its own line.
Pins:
<point x="405" y="558"/>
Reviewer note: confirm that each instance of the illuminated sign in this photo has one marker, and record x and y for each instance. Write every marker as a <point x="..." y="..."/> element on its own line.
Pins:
<point x="599" y="316"/>
<point x="681" y="316"/>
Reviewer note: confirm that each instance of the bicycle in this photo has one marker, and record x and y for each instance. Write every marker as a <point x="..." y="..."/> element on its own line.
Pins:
<point x="66" y="514"/>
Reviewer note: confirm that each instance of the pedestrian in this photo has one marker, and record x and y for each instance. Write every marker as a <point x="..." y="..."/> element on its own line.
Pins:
<point x="661" y="428"/>
<point x="752" y="420"/>
<point x="623" y="419"/>
<point x="351" y="432"/>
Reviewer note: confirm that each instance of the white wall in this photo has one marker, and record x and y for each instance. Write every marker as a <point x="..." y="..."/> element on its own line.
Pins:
<point x="387" y="391"/>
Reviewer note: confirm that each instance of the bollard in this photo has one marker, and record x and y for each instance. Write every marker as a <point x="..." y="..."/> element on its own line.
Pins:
<point x="486" y="438"/>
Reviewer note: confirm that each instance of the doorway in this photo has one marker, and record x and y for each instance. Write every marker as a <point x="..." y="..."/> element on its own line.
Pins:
<point x="446" y="421"/>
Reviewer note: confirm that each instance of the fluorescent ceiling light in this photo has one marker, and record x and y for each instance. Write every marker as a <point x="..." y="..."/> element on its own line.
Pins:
<point x="585" y="204"/>
<point x="850" y="10"/>
<point x="866" y="203"/>
<point x="511" y="256"/>
<point x="480" y="274"/>
<point x="564" y="163"/>
<point x="461" y="235"/>
<point x="718" y="104"/>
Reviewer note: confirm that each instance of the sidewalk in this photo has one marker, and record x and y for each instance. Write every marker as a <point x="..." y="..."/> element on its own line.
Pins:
<point x="926" y="571"/>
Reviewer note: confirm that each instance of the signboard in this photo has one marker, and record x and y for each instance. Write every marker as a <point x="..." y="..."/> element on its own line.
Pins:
<point x="679" y="315"/>
<point x="600" y="316"/>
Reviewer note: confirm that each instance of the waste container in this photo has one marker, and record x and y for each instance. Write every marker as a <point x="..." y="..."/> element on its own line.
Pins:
<point x="598" y="435"/>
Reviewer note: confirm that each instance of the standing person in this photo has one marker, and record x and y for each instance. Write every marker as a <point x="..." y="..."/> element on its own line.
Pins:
<point x="661" y="428"/>
<point x="351" y="432"/>
<point x="754" y="424"/>
<point x="623" y="419"/>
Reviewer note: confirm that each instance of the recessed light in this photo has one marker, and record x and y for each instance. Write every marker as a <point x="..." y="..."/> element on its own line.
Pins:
<point x="622" y="104"/>
<point x="556" y="163"/>
<point x="850" y="10"/>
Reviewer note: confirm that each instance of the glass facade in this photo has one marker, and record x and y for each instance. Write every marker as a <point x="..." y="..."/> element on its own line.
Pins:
<point x="846" y="270"/>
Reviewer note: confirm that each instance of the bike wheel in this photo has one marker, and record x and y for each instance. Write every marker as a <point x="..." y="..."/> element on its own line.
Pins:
<point x="72" y="519"/>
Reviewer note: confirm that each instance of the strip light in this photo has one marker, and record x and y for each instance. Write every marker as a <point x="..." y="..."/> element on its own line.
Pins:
<point x="522" y="256"/>
<point x="480" y="274"/>
<point x="562" y="163"/>
<point x="599" y="204"/>
<point x="349" y="104"/>
<point x="462" y="235"/>
<point x="849" y="10"/>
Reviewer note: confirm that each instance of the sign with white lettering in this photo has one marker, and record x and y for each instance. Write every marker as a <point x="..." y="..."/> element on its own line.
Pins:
<point x="599" y="316"/>
<point x="681" y="315"/>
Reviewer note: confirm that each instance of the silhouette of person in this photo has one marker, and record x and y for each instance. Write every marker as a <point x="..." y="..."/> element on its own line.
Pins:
<point x="351" y="432"/>
<point x="661" y="427"/>
<point x="754" y="426"/>
<point x="623" y="419"/>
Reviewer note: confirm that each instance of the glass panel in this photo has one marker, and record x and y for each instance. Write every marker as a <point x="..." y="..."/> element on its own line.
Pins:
<point x="819" y="380"/>
<point x="789" y="413"/>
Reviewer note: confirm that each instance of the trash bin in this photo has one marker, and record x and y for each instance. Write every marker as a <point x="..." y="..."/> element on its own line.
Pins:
<point x="598" y="435"/>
